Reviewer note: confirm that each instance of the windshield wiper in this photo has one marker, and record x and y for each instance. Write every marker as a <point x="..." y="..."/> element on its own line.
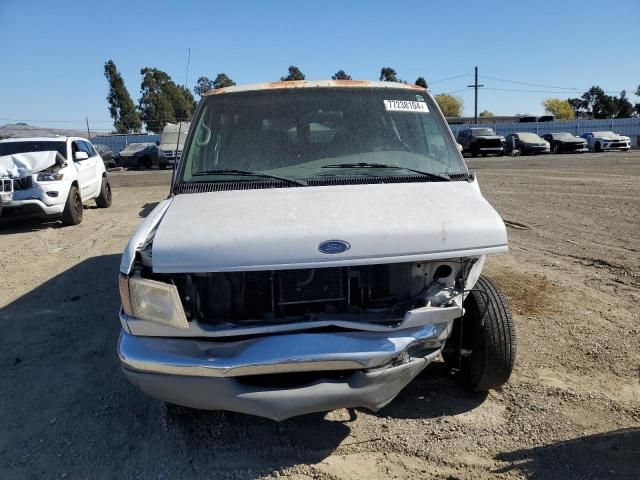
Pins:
<point x="442" y="177"/>
<point x="247" y="173"/>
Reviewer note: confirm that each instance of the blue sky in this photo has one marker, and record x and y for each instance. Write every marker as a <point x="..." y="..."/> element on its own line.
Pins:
<point x="52" y="52"/>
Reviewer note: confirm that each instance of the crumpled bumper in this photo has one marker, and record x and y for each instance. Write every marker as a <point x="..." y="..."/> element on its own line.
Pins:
<point x="373" y="368"/>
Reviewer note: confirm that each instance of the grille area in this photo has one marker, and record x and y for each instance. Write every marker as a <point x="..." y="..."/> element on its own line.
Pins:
<point x="23" y="183"/>
<point x="489" y="142"/>
<point x="311" y="286"/>
<point x="287" y="295"/>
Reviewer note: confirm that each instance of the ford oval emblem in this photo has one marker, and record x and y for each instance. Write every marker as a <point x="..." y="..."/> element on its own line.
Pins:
<point x="332" y="247"/>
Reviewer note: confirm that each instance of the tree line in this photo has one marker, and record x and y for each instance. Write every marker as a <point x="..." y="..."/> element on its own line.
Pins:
<point x="595" y="103"/>
<point x="162" y="101"/>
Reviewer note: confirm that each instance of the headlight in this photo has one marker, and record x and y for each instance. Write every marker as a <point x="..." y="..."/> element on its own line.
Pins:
<point x="153" y="301"/>
<point x="49" y="176"/>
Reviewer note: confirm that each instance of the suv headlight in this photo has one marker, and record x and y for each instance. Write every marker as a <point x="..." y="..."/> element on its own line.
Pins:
<point x="49" y="176"/>
<point x="153" y="301"/>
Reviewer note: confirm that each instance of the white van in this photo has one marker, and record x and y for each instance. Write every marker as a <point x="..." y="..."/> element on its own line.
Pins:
<point x="322" y="244"/>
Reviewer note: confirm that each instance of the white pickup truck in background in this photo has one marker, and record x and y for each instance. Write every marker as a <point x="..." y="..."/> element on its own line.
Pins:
<point x="172" y="140"/>
<point x="51" y="176"/>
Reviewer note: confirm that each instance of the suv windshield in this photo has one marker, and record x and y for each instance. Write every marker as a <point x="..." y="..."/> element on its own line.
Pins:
<point x="11" y="148"/>
<point x="295" y="133"/>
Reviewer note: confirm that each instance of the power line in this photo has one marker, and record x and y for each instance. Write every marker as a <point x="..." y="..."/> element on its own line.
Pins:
<point x="517" y="82"/>
<point x="454" y="91"/>
<point x="529" y="83"/>
<point x="564" y="92"/>
<point x="451" y="78"/>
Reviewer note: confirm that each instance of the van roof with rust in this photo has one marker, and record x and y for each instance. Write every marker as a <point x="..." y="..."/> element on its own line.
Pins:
<point x="312" y="84"/>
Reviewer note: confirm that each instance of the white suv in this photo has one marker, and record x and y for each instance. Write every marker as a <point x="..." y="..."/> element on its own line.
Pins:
<point x="51" y="176"/>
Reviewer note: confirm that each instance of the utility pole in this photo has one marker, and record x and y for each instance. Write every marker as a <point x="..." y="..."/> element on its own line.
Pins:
<point x="88" y="134"/>
<point x="475" y="86"/>
<point x="186" y="78"/>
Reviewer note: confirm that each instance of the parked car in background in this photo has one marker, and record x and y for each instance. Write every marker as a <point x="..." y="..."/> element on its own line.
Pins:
<point x="306" y="262"/>
<point x="142" y="155"/>
<point x="527" y="143"/>
<point x="600" y="141"/>
<point x="565" y="142"/>
<point x="547" y="118"/>
<point x="172" y="140"/>
<point x="480" y="141"/>
<point x="51" y="176"/>
<point x="106" y="154"/>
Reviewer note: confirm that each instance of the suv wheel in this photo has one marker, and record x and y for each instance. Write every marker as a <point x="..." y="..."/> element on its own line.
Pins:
<point x="484" y="358"/>
<point x="104" y="199"/>
<point x="72" y="213"/>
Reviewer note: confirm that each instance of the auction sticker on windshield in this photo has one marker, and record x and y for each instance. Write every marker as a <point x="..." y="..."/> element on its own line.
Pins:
<point x="405" y="106"/>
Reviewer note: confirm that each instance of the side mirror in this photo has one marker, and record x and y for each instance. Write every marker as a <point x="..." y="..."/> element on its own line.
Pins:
<point x="79" y="156"/>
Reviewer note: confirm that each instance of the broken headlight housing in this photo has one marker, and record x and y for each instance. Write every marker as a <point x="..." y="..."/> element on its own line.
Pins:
<point x="49" y="176"/>
<point x="153" y="301"/>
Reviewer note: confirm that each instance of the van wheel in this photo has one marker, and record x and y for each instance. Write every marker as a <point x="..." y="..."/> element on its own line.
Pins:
<point x="72" y="213"/>
<point x="484" y="358"/>
<point x="104" y="199"/>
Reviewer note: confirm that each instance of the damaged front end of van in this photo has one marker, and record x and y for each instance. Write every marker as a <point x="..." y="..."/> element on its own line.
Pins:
<point x="323" y="243"/>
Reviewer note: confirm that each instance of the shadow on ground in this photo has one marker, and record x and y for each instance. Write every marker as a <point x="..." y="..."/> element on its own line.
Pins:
<point x="66" y="408"/>
<point x="432" y="394"/>
<point x="605" y="455"/>
<point x="10" y="224"/>
<point x="147" y="208"/>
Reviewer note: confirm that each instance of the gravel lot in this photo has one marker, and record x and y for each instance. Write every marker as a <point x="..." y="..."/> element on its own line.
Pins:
<point x="571" y="410"/>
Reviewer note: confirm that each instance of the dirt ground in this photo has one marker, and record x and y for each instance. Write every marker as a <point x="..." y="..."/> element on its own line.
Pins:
<point x="571" y="409"/>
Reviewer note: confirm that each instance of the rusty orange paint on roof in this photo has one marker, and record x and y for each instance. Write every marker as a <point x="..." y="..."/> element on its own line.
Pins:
<point x="311" y="84"/>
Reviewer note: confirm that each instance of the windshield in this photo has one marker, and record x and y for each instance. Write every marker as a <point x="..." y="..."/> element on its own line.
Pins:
<point x="295" y="133"/>
<point x="482" y="132"/>
<point x="530" y="137"/>
<point x="563" y="136"/>
<point x="134" y="147"/>
<point x="10" y="148"/>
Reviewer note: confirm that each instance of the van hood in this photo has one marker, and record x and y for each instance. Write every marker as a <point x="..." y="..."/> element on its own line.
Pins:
<point x="282" y="228"/>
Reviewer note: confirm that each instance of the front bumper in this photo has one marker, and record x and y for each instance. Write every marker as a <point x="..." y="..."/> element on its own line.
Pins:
<point x="533" y="149"/>
<point x="33" y="201"/>
<point x="128" y="161"/>
<point x="616" y="145"/>
<point x="576" y="150"/>
<point x="213" y="375"/>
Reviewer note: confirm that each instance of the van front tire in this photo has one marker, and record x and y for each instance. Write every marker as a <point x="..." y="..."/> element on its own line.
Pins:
<point x="488" y="348"/>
